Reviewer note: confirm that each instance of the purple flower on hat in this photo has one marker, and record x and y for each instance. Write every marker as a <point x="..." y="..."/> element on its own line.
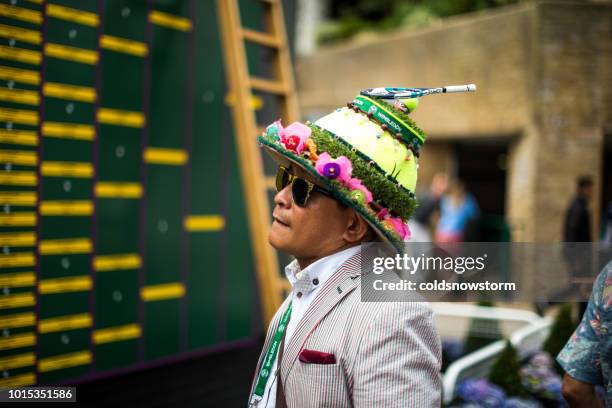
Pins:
<point x="340" y="168"/>
<point x="356" y="184"/>
<point x="294" y="136"/>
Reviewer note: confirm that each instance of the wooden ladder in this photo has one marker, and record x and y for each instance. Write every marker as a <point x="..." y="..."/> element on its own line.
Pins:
<point x="241" y="85"/>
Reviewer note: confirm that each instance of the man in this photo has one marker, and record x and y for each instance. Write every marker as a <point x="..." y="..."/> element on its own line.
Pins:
<point x="587" y="356"/>
<point x="577" y="227"/>
<point x="341" y="182"/>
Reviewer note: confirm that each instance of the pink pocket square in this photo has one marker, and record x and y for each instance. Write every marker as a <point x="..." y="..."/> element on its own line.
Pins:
<point x="316" y="357"/>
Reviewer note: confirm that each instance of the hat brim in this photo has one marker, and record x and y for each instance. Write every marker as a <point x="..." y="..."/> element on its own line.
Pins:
<point x="285" y="157"/>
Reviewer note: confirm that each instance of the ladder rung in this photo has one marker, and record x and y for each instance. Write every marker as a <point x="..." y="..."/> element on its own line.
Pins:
<point x="260" y="38"/>
<point x="267" y="85"/>
<point x="270" y="182"/>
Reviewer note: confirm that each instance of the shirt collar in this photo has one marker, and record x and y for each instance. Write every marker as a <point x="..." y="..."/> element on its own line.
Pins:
<point x="320" y="270"/>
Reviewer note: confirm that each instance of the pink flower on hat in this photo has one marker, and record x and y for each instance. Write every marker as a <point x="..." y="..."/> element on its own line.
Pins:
<point x="395" y="223"/>
<point x="294" y="136"/>
<point x="340" y="168"/>
<point x="399" y="226"/>
<point x="356" y="184"/>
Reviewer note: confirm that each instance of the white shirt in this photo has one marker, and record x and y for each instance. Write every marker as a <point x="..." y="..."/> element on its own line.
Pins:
<point x="317" y="273"/>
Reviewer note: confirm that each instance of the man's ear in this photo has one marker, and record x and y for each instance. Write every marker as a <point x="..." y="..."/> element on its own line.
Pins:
<point x="357" y="227"/>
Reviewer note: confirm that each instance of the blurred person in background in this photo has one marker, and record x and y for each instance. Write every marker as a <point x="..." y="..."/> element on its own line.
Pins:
<point x="428" y="210"/>
<point x="606" y="227"/>
<point x="459" y="212"/>
<point x="577" y="226"/>
<point x="587" y="356"/>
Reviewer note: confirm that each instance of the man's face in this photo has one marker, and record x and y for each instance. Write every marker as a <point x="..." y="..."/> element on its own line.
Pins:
<point x="311" y="231"/>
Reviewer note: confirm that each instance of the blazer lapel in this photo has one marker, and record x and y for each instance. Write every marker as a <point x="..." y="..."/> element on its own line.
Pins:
<point x="340" y="284"/>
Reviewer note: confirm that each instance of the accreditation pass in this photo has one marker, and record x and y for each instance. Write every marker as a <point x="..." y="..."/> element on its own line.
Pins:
<point x="38" y="394"/>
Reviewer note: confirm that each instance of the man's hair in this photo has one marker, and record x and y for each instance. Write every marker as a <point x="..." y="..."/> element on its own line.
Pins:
<point x="584" y="182"/>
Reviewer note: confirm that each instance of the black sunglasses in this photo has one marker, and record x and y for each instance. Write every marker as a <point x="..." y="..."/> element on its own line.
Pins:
<point x="300" y="188"/>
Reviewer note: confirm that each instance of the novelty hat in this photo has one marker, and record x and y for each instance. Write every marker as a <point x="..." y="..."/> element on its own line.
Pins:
<point x="366" y="154"/>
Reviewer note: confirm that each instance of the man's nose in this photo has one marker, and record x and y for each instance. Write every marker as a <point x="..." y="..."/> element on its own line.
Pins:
<point x="283" y="198"/>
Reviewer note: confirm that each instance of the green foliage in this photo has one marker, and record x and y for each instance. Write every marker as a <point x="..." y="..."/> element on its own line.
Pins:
<point x="481" y="332"/>
<point x="560" y="332"/>
<point x="350" y="17"/>
<point x="505" y="372"/>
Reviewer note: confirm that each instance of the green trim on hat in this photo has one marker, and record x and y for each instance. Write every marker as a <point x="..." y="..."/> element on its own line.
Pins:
<point x="395" y="120"/>
<point x="338" y="189"/>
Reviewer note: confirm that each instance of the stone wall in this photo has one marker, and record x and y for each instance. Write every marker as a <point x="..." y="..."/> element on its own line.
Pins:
<point x="544" y="78"/>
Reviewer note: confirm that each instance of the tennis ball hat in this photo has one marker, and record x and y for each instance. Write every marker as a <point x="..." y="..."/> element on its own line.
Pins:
<point x="366" y="154"/>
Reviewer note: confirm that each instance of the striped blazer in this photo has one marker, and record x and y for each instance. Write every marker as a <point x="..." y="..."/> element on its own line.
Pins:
<point x="387" y="354"/>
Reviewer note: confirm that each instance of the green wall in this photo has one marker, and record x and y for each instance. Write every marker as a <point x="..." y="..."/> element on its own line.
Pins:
<point x="98" y="270"/>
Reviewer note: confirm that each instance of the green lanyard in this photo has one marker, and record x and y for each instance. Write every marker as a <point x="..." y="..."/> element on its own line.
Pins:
<point x="270" y="358"/>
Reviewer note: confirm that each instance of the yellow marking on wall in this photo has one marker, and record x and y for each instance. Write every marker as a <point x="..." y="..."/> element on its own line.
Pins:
<point x="70" y="92"/>
<point x="27" y="198"/>
<point x="18" y="320"/>
<point x="17" y="340"/>
<point x="19" y="137"/>
<point x="105" y="263"/>
<point x="71" y="53"/>
<point x="66" y="208"/>
<point x="123" y="45"/>
<point x="21" y="34"/>
<point x="204" y="222"/>
<point x="18" y="259"/>
<point x="20" y="55"/>
<point x="65" y="284"/>
<point x="19" y="219"/>
<point x="36" y="1"/>
<point x="120" y="117"/>
<point x="22" y="157"/>
<point x="65" y="246"/>
<point x="17" y="239"/>
<point x="170" y="21"/>
<point x="118" y="190"/>
<point x="20" y="360"/>
<point x="257" y="102"/>
<point x="19" y="380"/>
<point x="159" y="155"/>
<point x="19" y="96"/>
<point x="17" y="300"/>
<point x="18" y="178"/>
<point x="25" y="76"/>
<point x="64" y="361"/>
<point x="68" y="131"/>
<point x="20" y="13"/>
<point x="118" y="333"/>
<point x="73" y="15"/>
<point x="67" y="169"/>
<point x="162" y="292"/>
<point x="70" y="322"/>
<point x="24" y="117"/>
<point x="18" y="279"/>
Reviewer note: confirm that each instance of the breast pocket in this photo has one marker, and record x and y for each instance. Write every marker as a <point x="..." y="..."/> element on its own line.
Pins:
<point x="317" y="385"/>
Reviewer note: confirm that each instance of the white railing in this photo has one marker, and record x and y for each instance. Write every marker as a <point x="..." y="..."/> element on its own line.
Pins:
<point x="530" y="331"/>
